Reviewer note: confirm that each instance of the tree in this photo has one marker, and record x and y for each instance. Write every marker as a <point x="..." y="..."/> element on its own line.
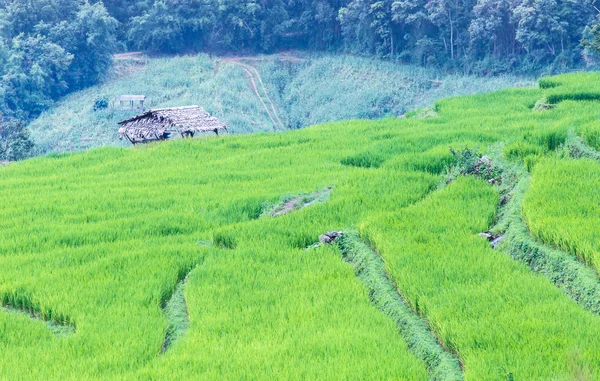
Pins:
<point x="47" y="49"/>
<point x="467" y="34"/>
<point x="356" y="20"/>
<point x="381" y="16"/>
<point x="172" y="26"/>
<point x="15" y="143"/>
<point x="34" y="75"/>
<point x="491" y="31"/>
<point x="540" y="31"/>
<point x="452" y="18"/>
<point x="26" y="16"/>
<point x="319" y="22"/>
<point x="90" y="38"/>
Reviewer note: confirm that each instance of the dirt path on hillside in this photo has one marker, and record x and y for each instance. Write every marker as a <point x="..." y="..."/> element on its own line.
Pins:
<point x="127" y="63"/>
<point x="255" y="79"/>
<point x="127" y="56"/>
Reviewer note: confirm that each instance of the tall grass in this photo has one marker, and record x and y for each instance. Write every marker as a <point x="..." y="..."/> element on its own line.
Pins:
<point x="370" y="269"/>
<point x="326" y="88"/>
<point x="220" y="88"/>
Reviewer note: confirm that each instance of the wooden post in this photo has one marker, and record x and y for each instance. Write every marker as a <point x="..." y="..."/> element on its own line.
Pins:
<point x="130" y="140"/>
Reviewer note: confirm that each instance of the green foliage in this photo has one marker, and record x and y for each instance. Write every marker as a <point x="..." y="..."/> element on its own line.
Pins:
<point x="468" y="160"/>
<point x="34" y="75"/>
<point x="90" y="37"/>
<point x="101" y="103"/>
<point x="49" y="48"/>
<point x="172" y="26"/>
<point x="15" y="143"/>
<point x="483" y="36"/>
<point x="176" y="26"/>
<point x="471" y="162"/>
<point x="592" y="41"/>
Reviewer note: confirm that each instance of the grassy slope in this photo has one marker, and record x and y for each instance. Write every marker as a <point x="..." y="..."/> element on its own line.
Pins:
<point x="221" y="89"/>
<point x="306" y="90"/>
<point x="103" y="237"/>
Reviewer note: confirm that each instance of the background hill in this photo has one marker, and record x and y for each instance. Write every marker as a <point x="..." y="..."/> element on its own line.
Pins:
<point x="253" y="94"/>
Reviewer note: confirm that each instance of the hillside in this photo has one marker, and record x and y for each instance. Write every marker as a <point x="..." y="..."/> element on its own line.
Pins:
<point x="196" y="259"/>
<point x="252" y="94"/>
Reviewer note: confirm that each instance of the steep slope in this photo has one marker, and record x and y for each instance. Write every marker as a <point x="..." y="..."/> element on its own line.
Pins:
<point x="253" y="94"/>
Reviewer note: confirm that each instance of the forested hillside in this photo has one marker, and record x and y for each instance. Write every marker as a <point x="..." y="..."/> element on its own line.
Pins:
<point x="483" y="36"/>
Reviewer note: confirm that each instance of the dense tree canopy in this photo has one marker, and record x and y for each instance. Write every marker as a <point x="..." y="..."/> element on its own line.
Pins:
<point x="47" y="49"/>
<point x="478" y="35"/>
<point x="51" y="47"/>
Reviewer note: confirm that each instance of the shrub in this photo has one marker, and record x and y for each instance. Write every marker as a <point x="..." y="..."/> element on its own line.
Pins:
<point x="101" y="103"/>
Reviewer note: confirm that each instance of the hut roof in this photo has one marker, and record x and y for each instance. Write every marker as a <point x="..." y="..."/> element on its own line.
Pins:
<point x="183" y="120"/>
<point x="131" y="98"/>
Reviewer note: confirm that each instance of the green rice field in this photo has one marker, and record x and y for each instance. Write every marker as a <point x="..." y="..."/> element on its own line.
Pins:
<point x="173" y="260"/>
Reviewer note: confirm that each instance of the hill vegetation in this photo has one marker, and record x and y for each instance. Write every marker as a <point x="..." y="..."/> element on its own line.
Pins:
<point x="254" y="94"/>
<point x="111" y="241"/>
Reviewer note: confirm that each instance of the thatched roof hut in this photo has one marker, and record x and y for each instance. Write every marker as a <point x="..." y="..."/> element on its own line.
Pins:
<point x="159" y="124"/>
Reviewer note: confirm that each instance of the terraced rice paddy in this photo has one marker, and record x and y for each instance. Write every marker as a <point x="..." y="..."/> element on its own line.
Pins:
<point x="169" y="261"/>
<point x="563" y="207"/>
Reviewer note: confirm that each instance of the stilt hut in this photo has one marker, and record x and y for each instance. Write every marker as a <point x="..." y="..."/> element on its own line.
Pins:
<point x="160" y="124"/>
<point x="129" y="101"/>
